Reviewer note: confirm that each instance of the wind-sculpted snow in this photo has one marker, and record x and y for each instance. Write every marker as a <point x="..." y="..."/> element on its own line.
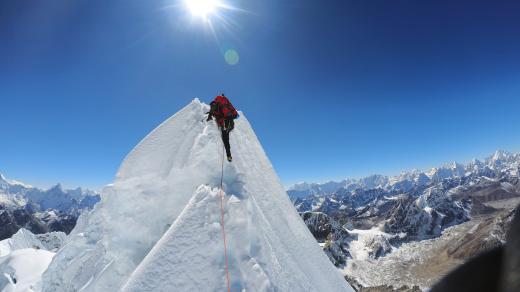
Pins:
<point x="21" y="239"/>
<point x="190" y="256"/>
<point x="21" y="270"/>
<point x="24" y="257"/>
<point x="160" y="219"/>
<point x="24" y="238"/>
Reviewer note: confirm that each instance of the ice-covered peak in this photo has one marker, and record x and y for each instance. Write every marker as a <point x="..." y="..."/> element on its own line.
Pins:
<point x="374" y="181"/>
<point x="300" y="186"/>
<point x="158" y="225"/>
<point x="20" y="194"/>
<point x="453" y="169"/>
<point x="500" y="161"/>
<point x="475" y="163"/>
<point x="5" y="182"/>
<point x="56" y="188"/>
<point x="500" y="155"/>
<point x="20" y="240"/>
<point x="456" y="166"/>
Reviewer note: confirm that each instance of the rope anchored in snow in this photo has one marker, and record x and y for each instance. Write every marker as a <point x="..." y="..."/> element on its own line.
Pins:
<point x="222" y="221"/>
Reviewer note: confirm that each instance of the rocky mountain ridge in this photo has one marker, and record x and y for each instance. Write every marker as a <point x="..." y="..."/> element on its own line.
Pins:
<point x="496" y="164"/>
<point x="40" y="211"/>
<point x="372" y="219"/>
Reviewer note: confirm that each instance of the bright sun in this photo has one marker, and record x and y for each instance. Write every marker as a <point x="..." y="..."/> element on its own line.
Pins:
<point x="201" y="8"/>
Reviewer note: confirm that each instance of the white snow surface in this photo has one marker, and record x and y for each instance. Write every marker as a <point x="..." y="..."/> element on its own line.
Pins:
<point x="20" y="240"/>
<point x="21" y="270"/>
<point x="158" y="225"/>
<point x="24" y="238"/>
<point x="24" y="257"/>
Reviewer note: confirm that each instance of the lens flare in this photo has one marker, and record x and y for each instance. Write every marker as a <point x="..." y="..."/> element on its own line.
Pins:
<point x="231" y="57"/>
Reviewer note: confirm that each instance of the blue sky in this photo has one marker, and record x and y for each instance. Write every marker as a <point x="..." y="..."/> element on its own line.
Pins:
<point x="333" y="88"/>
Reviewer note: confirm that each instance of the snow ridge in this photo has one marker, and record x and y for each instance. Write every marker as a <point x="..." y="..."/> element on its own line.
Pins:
<point x="166" y="190"/>
<point x="24" y="257"/>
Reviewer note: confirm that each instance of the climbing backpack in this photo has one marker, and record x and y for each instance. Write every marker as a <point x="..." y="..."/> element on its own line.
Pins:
<point x="225" y="108"/>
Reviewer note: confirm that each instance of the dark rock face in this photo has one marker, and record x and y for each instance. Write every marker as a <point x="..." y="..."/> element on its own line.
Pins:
<point x="64" y="223"/>
<point x="41" y="211"/>
<point x="320" y="225"/>
<point x="27" y="220"/>
<point x="330" y="234"/>
<point x="9" y="227"/>
<point x="12" y="220"/>
<point x="418" y="222"/>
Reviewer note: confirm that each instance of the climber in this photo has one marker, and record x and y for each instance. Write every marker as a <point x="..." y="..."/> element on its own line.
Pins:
<point x="224" y="113"/>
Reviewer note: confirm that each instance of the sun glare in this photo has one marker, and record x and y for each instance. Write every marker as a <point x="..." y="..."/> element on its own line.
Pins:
<point x="201" y="8"/>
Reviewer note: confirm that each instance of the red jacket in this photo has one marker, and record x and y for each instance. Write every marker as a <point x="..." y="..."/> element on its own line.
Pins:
<point x="222" y="109"/>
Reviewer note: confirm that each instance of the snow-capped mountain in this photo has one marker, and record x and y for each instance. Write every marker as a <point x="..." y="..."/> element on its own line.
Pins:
<point x="304" y="189"/>
<point x="499" y="164"/>
<point x="160" y="225"/>
<point x="17" y="194"/>
<point x="426" y="189"/>
<point x="24" y="238"/>
<point x="24" y="257"/>
<point x="380" y="214"/>
<point x="40" y="211"/>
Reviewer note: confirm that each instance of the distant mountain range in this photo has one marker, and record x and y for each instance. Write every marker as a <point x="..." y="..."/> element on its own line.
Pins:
<point x="361" y="222"/>
<point x="40" y="211"/>
<point x="501" y="161"/>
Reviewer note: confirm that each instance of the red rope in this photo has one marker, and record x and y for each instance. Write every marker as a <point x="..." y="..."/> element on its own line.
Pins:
<point x="222" y="221"/>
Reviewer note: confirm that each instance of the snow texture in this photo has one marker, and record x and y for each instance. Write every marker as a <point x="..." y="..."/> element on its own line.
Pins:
<point x="24" y="238"/>
<point x="20" y="240"/>
<point x="158" y="226"/>
<point x="24" y="257"/>
<point x="21" y="270"/>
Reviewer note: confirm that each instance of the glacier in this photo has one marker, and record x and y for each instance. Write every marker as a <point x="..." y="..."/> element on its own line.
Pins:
<point x="157" y="227"/>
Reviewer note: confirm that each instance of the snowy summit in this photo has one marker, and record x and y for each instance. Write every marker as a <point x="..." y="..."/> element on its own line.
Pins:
<point x="157" y="227"/>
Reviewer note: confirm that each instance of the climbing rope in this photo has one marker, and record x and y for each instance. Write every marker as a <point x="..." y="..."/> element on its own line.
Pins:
<point x="222" y="220"/>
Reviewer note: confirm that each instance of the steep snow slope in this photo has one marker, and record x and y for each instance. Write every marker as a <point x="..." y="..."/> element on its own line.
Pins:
<point x="170" y="179"/>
